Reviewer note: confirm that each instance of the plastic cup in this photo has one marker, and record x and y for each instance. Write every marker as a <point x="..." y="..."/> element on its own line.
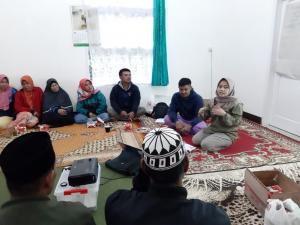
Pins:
<point x="107" y="128"/>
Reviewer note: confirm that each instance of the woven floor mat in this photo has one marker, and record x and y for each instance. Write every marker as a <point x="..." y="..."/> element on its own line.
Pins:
<point x="97" y="143"/>
<point x="233" y="201"/>
<point x="54" y="134"/>
<point x="227" y="189"/>
<point x="77" y="141"/>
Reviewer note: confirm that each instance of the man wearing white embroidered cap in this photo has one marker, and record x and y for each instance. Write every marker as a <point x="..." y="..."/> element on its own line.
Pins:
<point x="157" y="196"/>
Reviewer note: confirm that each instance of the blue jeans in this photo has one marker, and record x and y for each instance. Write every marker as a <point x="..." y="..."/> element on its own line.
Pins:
<point x="80" y="118"/>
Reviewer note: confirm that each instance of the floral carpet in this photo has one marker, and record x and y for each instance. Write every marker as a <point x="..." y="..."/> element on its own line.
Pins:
<point x="256" y="146"/>
<point x="212" y="177"/>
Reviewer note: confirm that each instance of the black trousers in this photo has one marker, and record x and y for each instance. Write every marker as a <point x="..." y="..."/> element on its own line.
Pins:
<point x="56" y="120"/>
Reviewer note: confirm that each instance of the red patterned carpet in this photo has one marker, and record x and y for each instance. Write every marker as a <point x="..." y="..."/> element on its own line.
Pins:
<point x="256" y="146"/>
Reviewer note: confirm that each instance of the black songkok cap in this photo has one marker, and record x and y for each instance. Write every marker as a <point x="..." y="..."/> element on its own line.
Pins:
<point x="27" y="158"/>
<point x="163" y="149"/>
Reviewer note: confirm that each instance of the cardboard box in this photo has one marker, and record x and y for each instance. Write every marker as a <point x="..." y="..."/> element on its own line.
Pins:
<point x="132" y="139"/>
<point x="257" y="189"/>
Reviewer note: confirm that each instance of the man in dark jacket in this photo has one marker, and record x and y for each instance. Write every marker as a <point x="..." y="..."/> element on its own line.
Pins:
<point x="184" y="108"/>
<point x="28" y="166"/>
<point x="158" y="197"/>
<point x="125" y="98"/>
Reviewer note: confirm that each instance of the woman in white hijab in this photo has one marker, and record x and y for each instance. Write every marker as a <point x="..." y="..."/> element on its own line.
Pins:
<point x="226" y="115"/>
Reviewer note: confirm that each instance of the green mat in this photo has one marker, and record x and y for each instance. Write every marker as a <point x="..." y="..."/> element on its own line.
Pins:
<point x="116" y="181"/>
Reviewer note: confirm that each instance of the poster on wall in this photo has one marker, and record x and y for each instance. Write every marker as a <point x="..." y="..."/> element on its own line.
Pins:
<point x="288" y="62"/>
<point x="79" y="26"/>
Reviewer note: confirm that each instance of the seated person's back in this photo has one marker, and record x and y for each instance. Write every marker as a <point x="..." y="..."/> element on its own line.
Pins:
<point x="157" y="197"/>
<point x="28" y="166"/>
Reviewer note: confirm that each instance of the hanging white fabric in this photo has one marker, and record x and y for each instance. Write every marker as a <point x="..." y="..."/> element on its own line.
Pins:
<point x="288" y="60"/>
<point x="120" y="37"/>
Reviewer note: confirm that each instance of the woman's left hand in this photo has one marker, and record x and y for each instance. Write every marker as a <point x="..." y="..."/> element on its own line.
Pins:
<point x="217" y="110"/>
<point x="91" y="115"/>
<point x="131" y="115"/>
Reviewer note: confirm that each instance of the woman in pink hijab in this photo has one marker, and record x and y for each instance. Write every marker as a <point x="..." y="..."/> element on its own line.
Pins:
<point x="91" y="103"/>
<point x="7" y="96"/>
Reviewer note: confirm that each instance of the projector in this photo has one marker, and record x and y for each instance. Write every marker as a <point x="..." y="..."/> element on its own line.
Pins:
<point x="84" y="171"/>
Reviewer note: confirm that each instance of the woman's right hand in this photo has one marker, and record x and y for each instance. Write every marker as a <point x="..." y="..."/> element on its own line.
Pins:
<point x="202" y="111"/>
<point x="218" y="111"/>
<point x="91" y="115"/>
<point x="179" y="125"/>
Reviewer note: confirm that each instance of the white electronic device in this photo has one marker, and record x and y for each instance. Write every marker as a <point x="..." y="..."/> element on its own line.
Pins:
<point x="86" y="194"/>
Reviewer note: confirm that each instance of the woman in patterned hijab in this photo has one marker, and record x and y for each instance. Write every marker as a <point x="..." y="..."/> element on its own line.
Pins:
<point x="225" y="113"/>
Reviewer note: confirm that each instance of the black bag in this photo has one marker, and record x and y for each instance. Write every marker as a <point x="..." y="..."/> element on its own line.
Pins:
<point x="83" y="171"/>
<point x="160" y="110"/>
<point x="128" y="162"/>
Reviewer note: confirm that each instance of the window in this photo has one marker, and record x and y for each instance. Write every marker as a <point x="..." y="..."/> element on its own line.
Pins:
<point x="124" y="39"/>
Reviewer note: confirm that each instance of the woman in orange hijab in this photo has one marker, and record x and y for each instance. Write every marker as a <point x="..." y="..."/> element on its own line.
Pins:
<point x="28" y="103"/>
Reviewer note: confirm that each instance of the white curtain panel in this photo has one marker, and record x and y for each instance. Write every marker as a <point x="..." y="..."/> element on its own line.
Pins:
<point x="120" y="37"/>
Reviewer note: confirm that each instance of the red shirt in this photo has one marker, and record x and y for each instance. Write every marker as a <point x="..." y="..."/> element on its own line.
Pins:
<point x="21" y="104"/>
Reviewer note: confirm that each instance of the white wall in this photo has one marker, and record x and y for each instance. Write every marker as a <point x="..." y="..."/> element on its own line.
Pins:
<point x="36" y="39"/>
<point x="240" y="33"/>
<point x="189" y="35"/>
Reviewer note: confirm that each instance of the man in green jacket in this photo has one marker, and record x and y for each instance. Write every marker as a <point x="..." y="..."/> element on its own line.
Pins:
<point x="28" y="166"/>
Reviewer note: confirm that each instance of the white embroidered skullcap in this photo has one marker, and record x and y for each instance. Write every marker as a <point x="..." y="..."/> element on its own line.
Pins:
<point x="163" y="149"/>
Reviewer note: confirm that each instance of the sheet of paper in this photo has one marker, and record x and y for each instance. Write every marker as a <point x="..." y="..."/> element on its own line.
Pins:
<point x="160" y="120"/>
<point x="189" y="148"/>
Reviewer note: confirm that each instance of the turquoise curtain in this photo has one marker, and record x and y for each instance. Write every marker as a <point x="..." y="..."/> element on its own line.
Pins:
<point x="160" y="65"/>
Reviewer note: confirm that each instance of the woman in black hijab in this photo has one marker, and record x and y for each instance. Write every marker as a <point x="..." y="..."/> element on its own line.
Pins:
<point x="57" y="106"/>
